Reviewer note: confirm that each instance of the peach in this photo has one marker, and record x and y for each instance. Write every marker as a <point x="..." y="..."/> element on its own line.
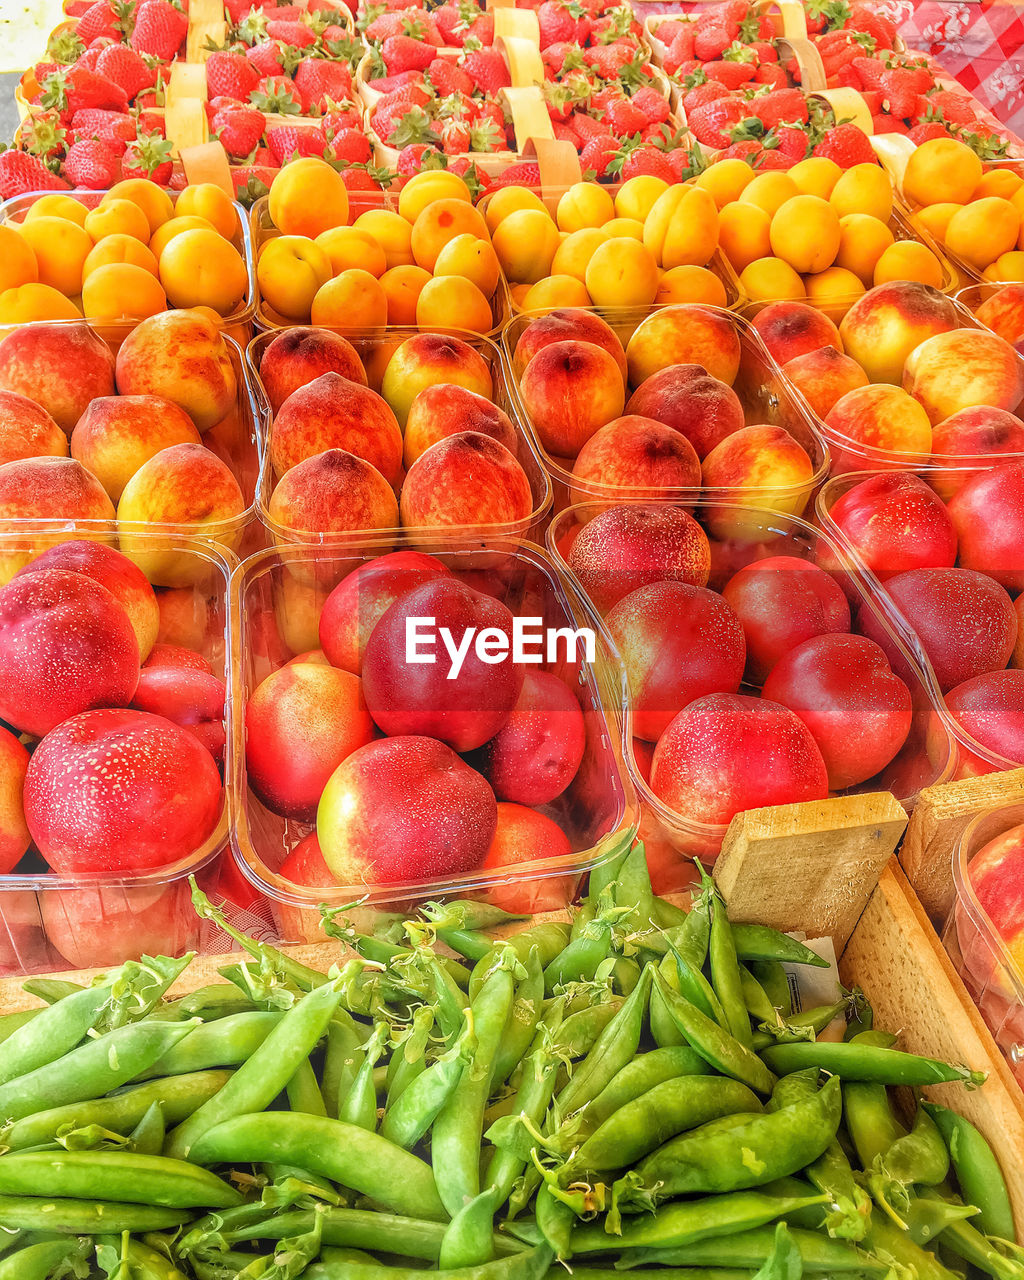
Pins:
<point x="182" y="357"/>
<point x="361" y="599"/>
<point x="684" y="334"/>
<point x="304" y="866"/>
<point x="570" y="390"/>
<point x="636" y="454"/>
<point x="465" y="481"/>
<point x="299" y="355"/>
<point x="767" y="468"/>
<point x="522" y="839"/>
<point x="59" y="366"/>
<point x="727" y="752"/>
<point x="568" y="324"/>
<point x="988" y="515"/>
<point x="894" y="522"/>
<point x="192" y="699"/>
<point x="404" y="809"/>
<point x="426" y="359"/>
<point x="66" y="645"/>
<point x="445" y="410"/>
<point x="995" y="875"/>
<point x="297" y="608"/>
<point x="990" y="708"/>
<point x="120" y="790"/>
<point x="688" y="399"/>
<point x="333" y="492"/>
<point x="791" y="329"/>
<point x="176" y="657"/>
<point x="630" y="546"/>
<point x="123" y="579"/>
<point x="462" y="705"/>
<point x="980" y="432"/>
<point x="27" y="430"/>
<point x="1003" y="313"/>
<point x="14" y="835"/>
<point x="92" y="925"/>
<point x="823" y="377"/>
<point x="187" y="486"/>
<point x="300" y="723"/>
<point x="333" y="413"/>
<point x="677" y="643"/>
<point x="117" y="434"/>
<point x="187" y="617"/>
<point x="965" y="367"/>
<point x="878" y="417"/>
<point x="534" y="756"/>
<point x="882" y="328"/>
<point x="50" y="489"/>
<point x="782" y="601"/>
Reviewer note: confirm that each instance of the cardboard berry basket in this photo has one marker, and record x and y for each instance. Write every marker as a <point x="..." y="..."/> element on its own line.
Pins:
<point x="235" y="440"/>
<point x="990" y="969"/>
<point x="238" y="323"/>
<point x="275" y="615"/>
<point x="374" y="349"/>
<point x="766" y="394"/>
<point x="741" y="536"/>
<point x="988" y="760"/>
<point x="50" y="920"/>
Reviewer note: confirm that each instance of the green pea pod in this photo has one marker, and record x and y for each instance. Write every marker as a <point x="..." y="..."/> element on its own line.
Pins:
<point x="345" y="1039"/>
<point x="925" y="1220"/>
<point x="632" y="891"/>
<point x="303" y="1091"/>
<point x="725" y="974"/>
<point x="667" y="915"/>
<point x="917" y="1158"/>
<point x="614" y="1047"/>
<point x="417" y="1108"/>
<point x="693" y="986"/>
<point x="892" y="1245"/>
<point x="850" y="1211"/>
<point x="580" y="959"/>
<point x="556" y="1220"/>
<point x="681" y="1223"/>
<point x="52" y="989"/>
<point x="784" y="1262"/>
<point x="758" y="1150"/>
<point x="862" y="1018"/>
<point x="113" y="1175"/>
<point x="664" y="1032"/>
<point x="409" y="1056"/>
<point x="257" y="1082"/>
<point x="11" y="1022"/>
<point x="532" y="1265"/>
<point x="147" y="1138"/>
<point x="150" y="1264"/>
<point x="522" y="1019"/>
<point x="228" y="1042"/>
<point x="86" y="1217"/>
<point x="177" y="1097"/>
<point x="468" y="1240"/>
<point x="604" y="875"/>
<point x="794" y="1088"/>
<point x="641" y="1126"/>
<point x="469" y="913"/>
<point x="751" y="1249"/>
<point x="758" y="942"/>
<point x="774" y="981"/>
<point x="549" y="938"/>
<point x="360" y="1107"/>
<point x="625" y="975"/>
<point x="977" y="1172"/>
<point x="715" y="1045"/>
<point x="852" y="1061"/>
<point x="798" y="1026"/>
<point x="870" y="1121"/>
<point x="968" y="1243"/>
<point x="91" y="1070"/>
<point x="52" y="1033"/>
<point x="40" y="1261"/>
<point x="756" y="1001"/>
<point x="638" y="1076"/>
<point x="457" y="1130"/>
<point x="216" y="1000"/>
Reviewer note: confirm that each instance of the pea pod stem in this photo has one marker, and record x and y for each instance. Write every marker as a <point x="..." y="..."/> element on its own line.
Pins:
<point x="851" y="1061"/>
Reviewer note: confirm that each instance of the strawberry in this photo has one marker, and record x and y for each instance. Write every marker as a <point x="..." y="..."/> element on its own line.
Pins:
<point x="710" y="124"/>
<point x="559" y="21"/>
<point x="788" y="141"/>
<point x="624" y="118"/>
<point x="42" y="135"/>
<point x="598" y="154"/>
<point x="150" y="122"/>
<point x="159" y="29"/>
<point x="296" y="34"/>
<point x="99" y="20"/>
<point x="732" y="74"/>
<point x="231" y="75"/>
<point x="487" y="69"/>
<point x="149" y="156"/>
<point x="111" y="127"/>
<point x="319" y="81"/>
<point x="926" y="131"/>
<point x="391" y="24"/>
<point x="771" y="158"/>
<point x="20" y="172"/>
<point x="900" y="91"/>
<point x="771" y="73"/>
<point x="64" y="46"/>
<point x="954" y="108"/>
<point x="710" y="40"/>
<point x="679" y="52"/>
<point x="421" y="156"/>
<point x="289" y="141"/>
<point x="519" y="175"/>
<point x="251" y="183"/>
<point x="277" y="95"/>
<point x="643" y="160"/>
<point x="868" y="20"/>
<point x="587" y="127"/>
<point x="341" y="115"/>
<point x="652" y="104"/>
<point x="414" y="126"/>
<point x="127" y="68"/>
<point x="357" y="179"/>
<point x="846" y="145"/>
<point x="779" y="106"/>
<point x="76" y="89"/>
<point x="763" y="51"/>
<point x="268" y="58"/>
<point x="456" y="137"/>
<point x="701" y="94"/>
<point x="403" y="53"/>
<point x="351" y="145"/>
<point x="448" y="77"/>
<point x="93" y="164"/>
<point x="239" y="129"/>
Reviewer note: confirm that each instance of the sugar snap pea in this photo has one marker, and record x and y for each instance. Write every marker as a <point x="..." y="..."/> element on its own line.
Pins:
<point x="852" y="1061"/>
<point x="55" y="1031"/>
<point x="11" y="1022"/>
<point x="39" y="1261"/>
<point x="819" y="1253"/>
<point x="759" y="942"/>
<point x="613" y="1048"/>
<point x="469" y="1237"/>
<point x="977" y="1172"/>
<point x="532" y="1265"/>
<point x="725" y="974"/>
<point x="408" y="1120"/>
<point x="644" y="1072"/>
<point x="916" y="1158"/>
<point x="579" y="1032"/>
<point x="111" y="1175"/>
<point x="147" y="1138"/>
<point x="967" y="1242"/>
<point x="360" y="1107"/>
<point x="408" y="1058"/>
<point x="891" y="1242"/>
<point x="86" y="1217"/>
<point x="226" y="1042"/>
<point x="522" y="1019"/>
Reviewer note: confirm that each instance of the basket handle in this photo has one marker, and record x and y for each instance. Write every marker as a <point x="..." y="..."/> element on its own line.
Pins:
<point x="187" y="80"/>
<point x="894" y="151"/>
<point x="794" y="18"/>
<point x="522" y="55"/>
<point x="186" y="124"/>
<point x="557" y="159"/>
<point x="521" y="23"/>
<point x="529" y="114"/>
<point x="812" y="70"/>
<point x="208" y="162"/>
<point x="848" y="104"/>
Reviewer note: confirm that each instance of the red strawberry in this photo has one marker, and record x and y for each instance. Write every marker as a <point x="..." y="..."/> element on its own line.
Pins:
<point x="925" y="132"/>
<point x="111" y="127"/>
<point x="43" y="135"/>
<point x="351" y="145"/>
<point x="771" y="73"/>
<point x="231" y="75"/>
<point x="652" y="104"/>
<point x="487" y="69"/>
<point x="763" y="51"/>
<point x="866" y="19"/>
<point x="598" y="154"/>
<point x="448" y="77"/>
<point x="403" y="53"/>
<point x="239" y="129"/>
<point x="456" y="137"/>
<point x="277" y="95"/>
<point x="150" y="122"/>
<point x="791" y="141"/>
<point x="75" y="89"/>
<point x="389" y="24"/>
<point x="159" y="30"/>
<point x="296" y="34"/>
<point x="92" y="164"/>
<point x="846" y="145"/>
<point x="100" y="19"/>
<point x="900" y="91"/>
<point x="732" y="74"/>
<point x="251" y="182"/>
<point x="519" y="175"/>
<point x="267" y="58"/>
<point x="648" y="161"/>
<point x="562" y="22"/>
<point x="779" y="106"/>
<point x="563" y="133"/>
<point x="341" y="115"/>
<point x="319" y="81"/>
<point x="587" y="127"/>
<point x="711" y="41"/>
<point x="289" y="141"/>
<point x="20" y="172"/>
<point x="771" y="158"/>
<point x="873" y="100"/>
<point x="624" y="118"/>
<point x="357" y="179"/>
<point x="148" y="157"/>
<point x="414" y="126"/>
<point x="127" y="68"/>
<point x="847" y="77"/>
<point x="742" y="150"/>
<point x="711" y="123"/>
<point x="870" y="71"/>
<point x="955" y="108"/>
<point x="701" y="94"/>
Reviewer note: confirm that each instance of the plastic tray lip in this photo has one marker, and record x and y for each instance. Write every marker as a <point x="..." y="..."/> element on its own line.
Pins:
<point x="264" y="421"/>
<point x="626" y="316"/>
<point x="894" y="615"/>
<point x="669" y="818"/>
<point x="225" y="561"/>
<point x="244" y="314"/>
<point x="601" y="676"/>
